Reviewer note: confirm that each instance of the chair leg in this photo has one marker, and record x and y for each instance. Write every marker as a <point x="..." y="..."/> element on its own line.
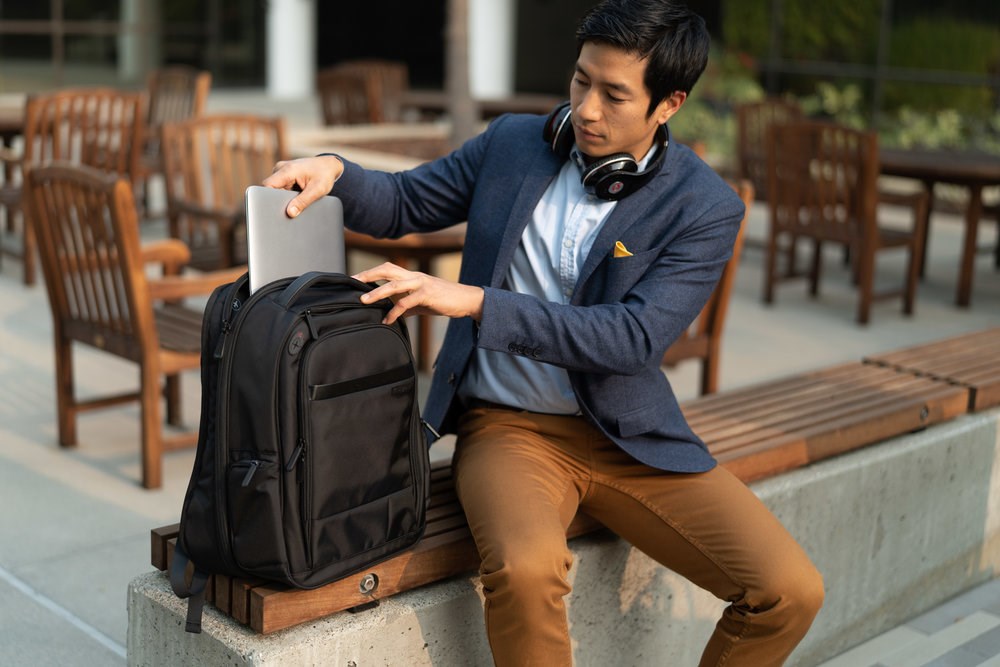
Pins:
<point x="30" y="247"/>
<point x="914" y="269"/>
<point x="710" y="371"/>
<point x="152" y="436"/>
<point x="791" y="257"/>
<point x="769" y="266"/>
<point x="866" y="283"/>
<point x="172" y="394"/>
<point x="817" y="267"/>
<point x="996" y="250"/>
<point x="65" y="402"/>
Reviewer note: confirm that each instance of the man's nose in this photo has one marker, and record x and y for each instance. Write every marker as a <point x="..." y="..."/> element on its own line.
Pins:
<point x="589" y="108"/>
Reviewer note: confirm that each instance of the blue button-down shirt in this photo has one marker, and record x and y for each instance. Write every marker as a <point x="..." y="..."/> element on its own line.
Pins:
<point x="546" y="264"/>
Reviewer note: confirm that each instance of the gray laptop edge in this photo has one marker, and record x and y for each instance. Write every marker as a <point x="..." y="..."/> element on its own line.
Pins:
<point x="282" y="247"/>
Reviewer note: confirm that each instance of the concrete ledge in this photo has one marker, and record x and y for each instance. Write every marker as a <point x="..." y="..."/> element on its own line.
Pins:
<point x="895" y="529"/>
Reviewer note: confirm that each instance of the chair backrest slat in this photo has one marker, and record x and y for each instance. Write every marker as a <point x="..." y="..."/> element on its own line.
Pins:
<point x="753" y="122"/>
<point x="88" y="241"/>
<point x="208" y="164"/>
<point x="823" y="180"/>
<point x="97" y="127"/>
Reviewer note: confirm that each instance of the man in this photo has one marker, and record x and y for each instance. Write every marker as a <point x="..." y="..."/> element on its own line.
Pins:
<point x="566" y="300"/>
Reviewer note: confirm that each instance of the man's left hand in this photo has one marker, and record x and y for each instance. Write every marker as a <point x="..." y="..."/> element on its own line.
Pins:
<point x="415" y="293"/>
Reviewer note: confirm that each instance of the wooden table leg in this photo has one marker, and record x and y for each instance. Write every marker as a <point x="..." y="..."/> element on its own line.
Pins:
<point x="972" y="214"/>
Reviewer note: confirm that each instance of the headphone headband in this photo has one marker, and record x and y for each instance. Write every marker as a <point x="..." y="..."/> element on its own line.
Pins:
<point x="611" y="177"/>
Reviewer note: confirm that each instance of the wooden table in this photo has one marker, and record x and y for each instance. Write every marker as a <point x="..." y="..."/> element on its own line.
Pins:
<point x="973" y="170"/>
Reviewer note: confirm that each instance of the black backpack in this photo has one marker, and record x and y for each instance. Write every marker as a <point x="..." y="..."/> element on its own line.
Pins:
<point x="311" y="462"/>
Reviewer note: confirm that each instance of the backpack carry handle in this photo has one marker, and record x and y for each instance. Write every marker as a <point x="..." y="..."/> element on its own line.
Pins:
<point x="312" y="278"/>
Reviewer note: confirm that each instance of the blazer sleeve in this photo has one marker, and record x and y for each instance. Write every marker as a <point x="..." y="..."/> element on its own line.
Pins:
<point x="431" y="196"/>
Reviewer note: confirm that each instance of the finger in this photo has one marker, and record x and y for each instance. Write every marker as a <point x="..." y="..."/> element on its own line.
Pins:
<point x="397" y="311"/>
<point x="391" y="289"/>
<point x="385" y="271"/>
<point x="312" y="191"/>
<point x="281" y="177"/>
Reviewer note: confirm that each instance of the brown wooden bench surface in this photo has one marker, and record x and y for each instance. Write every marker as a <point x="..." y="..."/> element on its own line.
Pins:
<point x="755" y="432"/>
<point x="971" y="360"/>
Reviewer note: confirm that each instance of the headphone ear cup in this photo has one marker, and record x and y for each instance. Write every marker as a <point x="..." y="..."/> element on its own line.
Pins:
<point x="611" y="176"/>
<point x="558" y="130"/>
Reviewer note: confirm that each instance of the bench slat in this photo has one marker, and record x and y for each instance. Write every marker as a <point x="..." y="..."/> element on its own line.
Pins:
<point x="971" y="360"/>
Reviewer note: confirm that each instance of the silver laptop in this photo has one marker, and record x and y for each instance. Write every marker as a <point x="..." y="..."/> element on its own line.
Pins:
<point x="282" y="247"/>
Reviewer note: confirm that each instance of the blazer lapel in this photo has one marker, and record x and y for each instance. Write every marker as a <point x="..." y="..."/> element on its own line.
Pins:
<point x="539" y="175"/>
<point x="627" y="212"/>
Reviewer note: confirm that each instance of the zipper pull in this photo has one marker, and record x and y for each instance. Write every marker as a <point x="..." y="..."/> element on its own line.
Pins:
<point x="296" y="455"/>
<point x="250" y="473"/>
<point x="311" y="325"/>
<point x="220" y="348"/>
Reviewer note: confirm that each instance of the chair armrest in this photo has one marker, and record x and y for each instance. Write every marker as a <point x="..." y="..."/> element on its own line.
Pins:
<point x="173" y="254"/>
<point x="10" y="156"/>
<point x="174" y="288"/>
<point x="909" y="199"/>
<point x="917" y="201"/>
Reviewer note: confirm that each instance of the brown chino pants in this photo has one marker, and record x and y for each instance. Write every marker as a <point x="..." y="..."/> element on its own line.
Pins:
<point x="521" y="477"/>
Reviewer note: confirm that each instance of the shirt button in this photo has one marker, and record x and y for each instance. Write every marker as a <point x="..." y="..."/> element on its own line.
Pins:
<point x="567" y="243"/>
<point x="568" y="292"/>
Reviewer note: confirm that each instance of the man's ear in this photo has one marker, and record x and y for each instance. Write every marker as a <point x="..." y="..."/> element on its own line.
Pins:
<point x="669" y="106"/>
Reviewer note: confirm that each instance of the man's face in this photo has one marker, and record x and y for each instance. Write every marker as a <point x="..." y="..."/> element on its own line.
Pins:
<point x="609" y="102"/>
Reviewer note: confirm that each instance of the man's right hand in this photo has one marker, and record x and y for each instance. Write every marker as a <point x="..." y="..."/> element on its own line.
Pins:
<point x="314" y="176"/>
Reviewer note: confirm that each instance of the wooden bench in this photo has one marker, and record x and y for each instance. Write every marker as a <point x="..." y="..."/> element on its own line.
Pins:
<point x="756" y="432"/>
<point x="971" y="360"/>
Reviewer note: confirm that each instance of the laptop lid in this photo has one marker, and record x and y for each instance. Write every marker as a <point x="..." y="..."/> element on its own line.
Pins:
<point x="282" y="247"/>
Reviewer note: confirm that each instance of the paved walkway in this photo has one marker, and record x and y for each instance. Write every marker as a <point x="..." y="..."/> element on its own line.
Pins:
<point x="74" y="524"/>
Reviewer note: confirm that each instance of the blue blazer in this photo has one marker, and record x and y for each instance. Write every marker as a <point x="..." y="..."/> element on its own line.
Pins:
<point x="624" y="312"/>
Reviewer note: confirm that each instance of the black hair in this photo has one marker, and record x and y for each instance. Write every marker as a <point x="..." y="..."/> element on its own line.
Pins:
<point x="670" y="37"/>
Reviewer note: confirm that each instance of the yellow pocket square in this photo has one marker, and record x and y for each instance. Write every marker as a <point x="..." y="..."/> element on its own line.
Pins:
<point x="621" y="250"/>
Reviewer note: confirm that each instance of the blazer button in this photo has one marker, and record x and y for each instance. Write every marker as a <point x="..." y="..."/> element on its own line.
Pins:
<point x="512" y="347"/>
<point x="451" y="378"/>
<point x="536" y="352"/>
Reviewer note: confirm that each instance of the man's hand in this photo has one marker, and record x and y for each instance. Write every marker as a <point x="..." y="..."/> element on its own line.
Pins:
<point x="315" y="176"/>
<point x="415" y="293"/>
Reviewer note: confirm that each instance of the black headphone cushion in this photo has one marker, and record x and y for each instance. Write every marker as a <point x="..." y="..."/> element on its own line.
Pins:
<point x="558" y="130"/>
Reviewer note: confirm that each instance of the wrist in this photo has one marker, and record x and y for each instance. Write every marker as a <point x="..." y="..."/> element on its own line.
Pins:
<point x="476" y="306"/>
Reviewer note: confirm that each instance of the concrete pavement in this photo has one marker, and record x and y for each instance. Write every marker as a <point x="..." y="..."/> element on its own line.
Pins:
<point x="74" y="524"/>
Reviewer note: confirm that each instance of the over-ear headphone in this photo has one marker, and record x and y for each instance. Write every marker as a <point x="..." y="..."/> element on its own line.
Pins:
<point x="611" y="177"/>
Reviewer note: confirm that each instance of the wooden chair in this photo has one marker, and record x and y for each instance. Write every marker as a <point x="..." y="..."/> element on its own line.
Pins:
<point x="753" y="122"/>
<point x="703" y="339"/>
<point x="362" y="91"/>
<point x="99" y="294"/>
<point x="823" y="185"/>
<point x="208" y="164"/>
<point x="174" y="93"/>
<point x="98" y="127"/>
